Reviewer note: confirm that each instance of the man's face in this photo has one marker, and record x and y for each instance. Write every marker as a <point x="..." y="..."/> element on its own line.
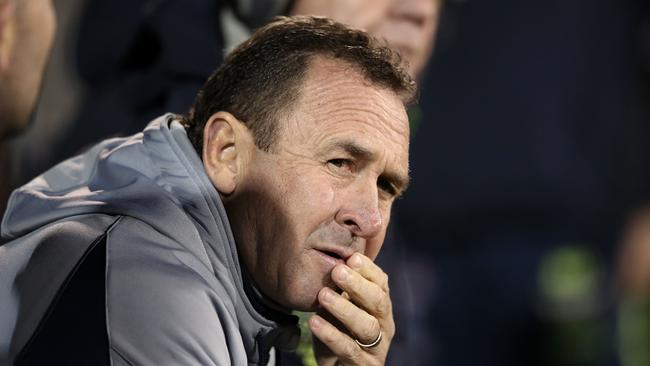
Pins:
<point x="327" y="188"/>
<point x="409" y="27"/>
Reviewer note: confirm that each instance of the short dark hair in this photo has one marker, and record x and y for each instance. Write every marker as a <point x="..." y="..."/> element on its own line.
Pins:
<point x="261" y="78"/>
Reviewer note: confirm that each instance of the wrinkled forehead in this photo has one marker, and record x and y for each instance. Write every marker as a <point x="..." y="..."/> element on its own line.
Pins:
<point x="336" y="85"/>
<point x="323" y="68"/>
<point x="337" y="105"/>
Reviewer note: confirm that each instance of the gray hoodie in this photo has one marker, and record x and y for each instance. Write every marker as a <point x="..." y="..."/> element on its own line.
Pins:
<point x="174" y="289"/>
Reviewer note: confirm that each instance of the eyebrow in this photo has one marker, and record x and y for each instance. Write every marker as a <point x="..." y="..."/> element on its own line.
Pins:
<point x="399" y="181"/>
<point x="355" y="149"/>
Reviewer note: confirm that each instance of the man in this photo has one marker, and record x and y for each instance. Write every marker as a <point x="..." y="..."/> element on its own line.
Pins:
<point x="409" y="26"/>
<point x="141" y="252"/>
<point x="26" y="35"/>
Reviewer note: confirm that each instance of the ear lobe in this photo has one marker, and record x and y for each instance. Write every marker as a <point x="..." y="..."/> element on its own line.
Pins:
<point x="223" y="151"/>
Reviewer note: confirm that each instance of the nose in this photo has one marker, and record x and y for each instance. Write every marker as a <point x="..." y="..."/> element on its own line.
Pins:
<point x="360" y="212"/>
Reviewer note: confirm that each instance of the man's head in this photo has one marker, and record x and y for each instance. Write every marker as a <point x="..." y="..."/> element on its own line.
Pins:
<point x="409" y="26"/>
<point x="26" y="33"/>
<point x="304" y="134"/>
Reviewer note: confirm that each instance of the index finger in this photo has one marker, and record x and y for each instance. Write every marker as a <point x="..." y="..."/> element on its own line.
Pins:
<point x="368" y="270"/>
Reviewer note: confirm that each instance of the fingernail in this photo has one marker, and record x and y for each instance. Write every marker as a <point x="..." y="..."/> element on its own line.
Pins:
<point x="355" y="261"/>
<point x="327" y="296"/>
<point x="342" y="274"/>
<point x="315" y="322"/>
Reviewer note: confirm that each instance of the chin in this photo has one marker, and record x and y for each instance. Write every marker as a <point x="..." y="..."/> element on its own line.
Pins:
<point x="305" y="296"/>
<point x="306" y="303"/>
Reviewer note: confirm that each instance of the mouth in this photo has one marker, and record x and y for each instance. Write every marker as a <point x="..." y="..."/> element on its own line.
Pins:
<point x="332" y="254"/>
<point x="331" y="257"/>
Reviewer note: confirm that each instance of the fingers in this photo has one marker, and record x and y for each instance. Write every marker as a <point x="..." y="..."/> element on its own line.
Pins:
<point x="363" y="326"/>
<point x="369" y="270"/>
<point x="339" y="343"/>
<point x="367" y="295"/>
<point x="365" y="308"/>
<point x="362" y="313"/>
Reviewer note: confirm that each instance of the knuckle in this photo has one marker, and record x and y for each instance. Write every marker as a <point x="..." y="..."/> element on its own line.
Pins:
<point x="383" y="280"/>
<point x="346" y="310"/>
<point x="369" y="330"/>
<point x="386" y="285"/>
<point x="351" y="351"/>
<point x="374" y="327"/>
<point x="356" y="289"/>
<point x="358" y="358"/>
<point x="383" y="307"/>
<point x="328" y="339"/>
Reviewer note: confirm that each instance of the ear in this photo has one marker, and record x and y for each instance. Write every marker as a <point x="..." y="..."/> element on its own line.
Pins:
<point x="6" y="33"/>
<point x="226" y="148"/>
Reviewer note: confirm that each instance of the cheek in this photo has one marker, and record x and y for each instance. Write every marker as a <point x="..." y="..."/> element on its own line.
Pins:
<point x="309" y="201"/>
<point x="313" y="194"/>
<point x="326" y="197"/>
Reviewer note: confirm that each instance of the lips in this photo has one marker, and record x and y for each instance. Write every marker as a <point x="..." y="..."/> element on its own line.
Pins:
<point x="331" y="254"/>
<point x="330" y="258"/>
<point x="334" y="255"/>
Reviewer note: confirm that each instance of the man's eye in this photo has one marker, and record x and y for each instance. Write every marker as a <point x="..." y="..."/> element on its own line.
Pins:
<point x="339" y="163"/>
<point x="386" y="187"/>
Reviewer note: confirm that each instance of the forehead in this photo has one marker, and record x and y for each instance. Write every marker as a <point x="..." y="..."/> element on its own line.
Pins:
<point x="336" y="103"/>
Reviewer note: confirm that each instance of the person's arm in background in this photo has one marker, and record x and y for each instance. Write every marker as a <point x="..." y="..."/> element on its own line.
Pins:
<point x="634" y="260"/>
<point x="26" y="34"/>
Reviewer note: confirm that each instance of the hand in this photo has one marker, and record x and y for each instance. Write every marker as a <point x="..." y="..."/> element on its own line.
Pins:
<point x="360" y="312"/>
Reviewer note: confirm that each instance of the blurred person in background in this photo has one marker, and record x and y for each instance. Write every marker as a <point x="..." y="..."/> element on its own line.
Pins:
<point x="634" y="291"/>
<point x="409" y="26"/>
<point x="633" y="260"/>
<point x="526" y="165"/>
<point x="141" y="69"/>
<point x="26" y="33"/>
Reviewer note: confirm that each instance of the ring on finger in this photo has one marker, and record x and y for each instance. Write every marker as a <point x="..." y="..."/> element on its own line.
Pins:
<point x="371" y="344"/>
